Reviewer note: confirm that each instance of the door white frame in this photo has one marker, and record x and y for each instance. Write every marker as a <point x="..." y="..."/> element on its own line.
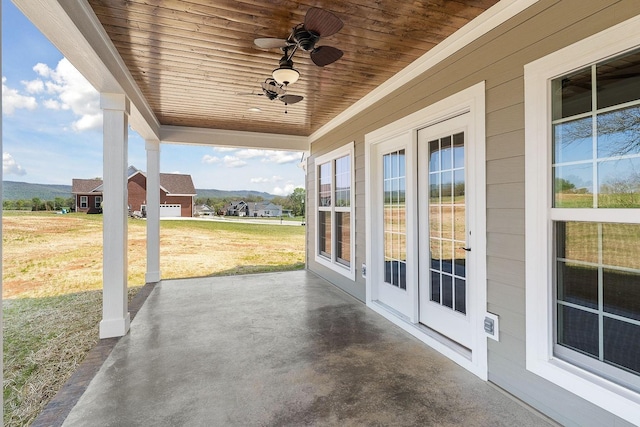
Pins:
<point x="470" y="100"/>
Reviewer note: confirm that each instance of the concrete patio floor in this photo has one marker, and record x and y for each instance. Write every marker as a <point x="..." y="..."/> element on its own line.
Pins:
<point x="280" y="349"/>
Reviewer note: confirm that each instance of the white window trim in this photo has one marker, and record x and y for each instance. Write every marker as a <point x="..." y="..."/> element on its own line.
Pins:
<point x="333" y="263"/>
<point x="539" y="239"/>
<point x="97" y="204"/>
<point x="470" y="100"/>
<point x="84" y="202"/>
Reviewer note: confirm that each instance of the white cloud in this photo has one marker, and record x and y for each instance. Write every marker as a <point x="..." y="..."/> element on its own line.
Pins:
<point x="210" y="159"/>
<point x="262" y="180"/>
<point x="228" y="161"/>
<point x="71" y="91"/>
<point x="42" y="69"/>
<point x="52" y="104"/>
<point x="13" y="100"/>
<point x="286" y="190"/>
<point x="281" y="157"/>
<point x="269" y="156"/>
<point x="34" y="86"/>
<point x="233" y="162"/>
<point x="224" y="149"/>
<point x="88" y="122"/>
<point x="10" y="166"/>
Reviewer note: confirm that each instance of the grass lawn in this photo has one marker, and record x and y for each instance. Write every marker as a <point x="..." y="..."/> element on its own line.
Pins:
<point x="52" y="280"/>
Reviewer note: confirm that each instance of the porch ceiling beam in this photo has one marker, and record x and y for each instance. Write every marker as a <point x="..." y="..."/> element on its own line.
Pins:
<point x="74" y="29"/>
<point x="228" y="138"/>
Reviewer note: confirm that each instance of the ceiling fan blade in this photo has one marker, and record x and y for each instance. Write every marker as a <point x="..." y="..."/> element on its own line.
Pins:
<point x="325" y="55"/>
<point x="270" y="43"/>
<point x="249" y="94"/>
<point x="291" y="99"/>
<point x="322" y="22"/>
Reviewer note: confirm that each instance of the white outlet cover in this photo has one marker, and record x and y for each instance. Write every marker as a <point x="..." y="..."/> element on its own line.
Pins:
<point x="496" y="326"/>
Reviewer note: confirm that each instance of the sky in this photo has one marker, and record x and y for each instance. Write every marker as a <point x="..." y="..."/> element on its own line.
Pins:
<point x="52" y="127"/>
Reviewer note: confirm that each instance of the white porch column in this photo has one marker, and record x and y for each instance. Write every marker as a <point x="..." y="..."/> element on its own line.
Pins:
<point x="153" y="211"/>
<point x="115" y="315"/>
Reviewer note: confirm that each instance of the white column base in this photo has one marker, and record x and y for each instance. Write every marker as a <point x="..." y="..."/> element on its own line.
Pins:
<point x="110" y="328"/>
<point x="152" y="277"/>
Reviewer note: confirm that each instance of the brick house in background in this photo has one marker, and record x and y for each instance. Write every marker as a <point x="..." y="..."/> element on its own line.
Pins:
<point x="177" y="193"/>
<point x="88" y="195"/>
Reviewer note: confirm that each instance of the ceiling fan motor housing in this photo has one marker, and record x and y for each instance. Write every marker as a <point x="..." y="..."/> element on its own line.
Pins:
<point x="305" y="39"/>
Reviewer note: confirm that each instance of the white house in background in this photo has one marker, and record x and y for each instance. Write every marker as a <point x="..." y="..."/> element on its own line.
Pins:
<point x="264" y="209"/>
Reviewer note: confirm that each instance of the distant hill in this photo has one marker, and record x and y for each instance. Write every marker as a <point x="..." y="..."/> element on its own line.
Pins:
<point x="13" y="190"/>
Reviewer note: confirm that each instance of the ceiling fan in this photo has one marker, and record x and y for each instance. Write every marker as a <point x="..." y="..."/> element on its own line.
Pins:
<point x="272" y="90"/>
<point x="317" y="23"/>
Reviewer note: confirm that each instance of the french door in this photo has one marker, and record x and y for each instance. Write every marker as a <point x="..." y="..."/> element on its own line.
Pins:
<point x="396" y="266"/>
<point x="444" y="243"/>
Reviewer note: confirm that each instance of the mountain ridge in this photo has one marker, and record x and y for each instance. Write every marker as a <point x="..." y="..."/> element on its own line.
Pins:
<point x="17" y="190"/>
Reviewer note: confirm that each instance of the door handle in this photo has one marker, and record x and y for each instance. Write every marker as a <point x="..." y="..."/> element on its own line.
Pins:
<point x="466" y="249"/>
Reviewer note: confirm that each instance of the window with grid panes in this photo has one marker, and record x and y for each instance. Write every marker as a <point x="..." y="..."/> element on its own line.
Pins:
<point x="334" y="212"/>
<point x="595" y="166"/>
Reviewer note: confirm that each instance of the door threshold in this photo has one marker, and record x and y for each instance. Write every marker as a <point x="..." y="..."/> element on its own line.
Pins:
<point x="459" y="354"/>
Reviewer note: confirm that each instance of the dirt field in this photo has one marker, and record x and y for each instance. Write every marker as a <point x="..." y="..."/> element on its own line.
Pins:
<point x="52" y="281"/>
<point x="47" y="254"/>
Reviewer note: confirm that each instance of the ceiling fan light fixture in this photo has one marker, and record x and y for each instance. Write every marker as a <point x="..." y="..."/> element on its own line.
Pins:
<point x="285" y="75"/>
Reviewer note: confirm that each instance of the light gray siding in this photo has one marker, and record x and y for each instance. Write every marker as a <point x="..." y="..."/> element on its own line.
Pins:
<point x="498" y="58"/>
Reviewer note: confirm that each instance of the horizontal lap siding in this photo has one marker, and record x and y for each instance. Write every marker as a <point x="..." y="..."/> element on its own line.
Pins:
<point x="498" y="58"/>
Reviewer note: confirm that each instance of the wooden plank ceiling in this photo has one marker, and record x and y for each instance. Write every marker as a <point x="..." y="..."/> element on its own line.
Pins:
<point x="197" y="64"/>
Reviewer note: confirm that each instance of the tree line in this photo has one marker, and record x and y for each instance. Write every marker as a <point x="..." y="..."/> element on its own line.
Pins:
<point x="36" y="204"/>
<point x="293" y="202"/>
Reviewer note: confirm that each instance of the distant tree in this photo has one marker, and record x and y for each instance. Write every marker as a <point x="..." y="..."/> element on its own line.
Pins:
<point x="295" y="201"/>
<point x="58" y="203"/>
<point x="279" y="200"/>
<point x="564" y="186"/>
<point x="36" y="204"/>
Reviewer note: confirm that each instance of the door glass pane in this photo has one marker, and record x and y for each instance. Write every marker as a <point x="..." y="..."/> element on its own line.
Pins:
<point x="394" y="225"/>
<point x="447" y="223"/>
<point x="458" y="150"/>
<point x="435" y="287"/>
<point x="460" y="299"/>
<point x="447" y="291"/>
<point x="434" y="155"/>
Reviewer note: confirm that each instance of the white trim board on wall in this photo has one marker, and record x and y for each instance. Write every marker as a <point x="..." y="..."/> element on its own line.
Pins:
<point x="472" y="101"/>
